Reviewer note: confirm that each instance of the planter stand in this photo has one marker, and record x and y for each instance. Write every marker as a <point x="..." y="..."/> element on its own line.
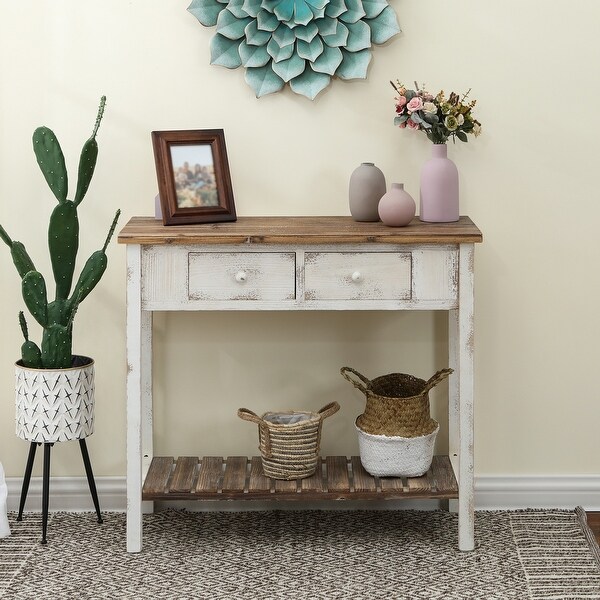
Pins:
<point x="46" y="482"/>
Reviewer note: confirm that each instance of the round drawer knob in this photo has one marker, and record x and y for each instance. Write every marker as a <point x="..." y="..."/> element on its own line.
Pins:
<point x="356" y="276"/>
<point x="240" y="276"/>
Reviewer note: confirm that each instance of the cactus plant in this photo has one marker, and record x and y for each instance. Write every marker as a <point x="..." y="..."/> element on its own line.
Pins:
<point x="56" y="317"/>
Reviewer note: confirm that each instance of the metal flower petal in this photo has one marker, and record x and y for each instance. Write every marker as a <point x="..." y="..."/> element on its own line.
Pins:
<point x="301" y="42"/>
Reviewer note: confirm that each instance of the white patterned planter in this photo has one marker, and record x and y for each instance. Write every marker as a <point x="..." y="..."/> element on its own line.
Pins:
<point x="55" y="405"/>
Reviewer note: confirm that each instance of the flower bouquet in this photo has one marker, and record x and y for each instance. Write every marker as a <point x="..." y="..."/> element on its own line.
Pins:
<point x="439" y="117"/>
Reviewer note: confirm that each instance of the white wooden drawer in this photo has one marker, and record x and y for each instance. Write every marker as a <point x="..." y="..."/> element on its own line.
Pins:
<point x="241" y="275"/>
<point x="358" y="275"/>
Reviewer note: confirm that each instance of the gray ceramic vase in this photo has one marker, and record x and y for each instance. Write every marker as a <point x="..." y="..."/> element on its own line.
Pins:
<point x="367" y="186"/>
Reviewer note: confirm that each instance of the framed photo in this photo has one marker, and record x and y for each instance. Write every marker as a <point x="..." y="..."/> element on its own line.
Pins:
<point x="194" y="183"/>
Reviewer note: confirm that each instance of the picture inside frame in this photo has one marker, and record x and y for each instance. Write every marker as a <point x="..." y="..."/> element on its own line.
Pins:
<point x="193" y="176"/>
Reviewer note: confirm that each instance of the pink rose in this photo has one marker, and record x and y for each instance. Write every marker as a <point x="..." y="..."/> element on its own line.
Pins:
<point x="411" y="124"/>
<point x="415" y="104"/>
<point x="400" y="104"/>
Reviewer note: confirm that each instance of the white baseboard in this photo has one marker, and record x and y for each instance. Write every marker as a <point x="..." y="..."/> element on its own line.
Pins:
<point x="491" y="493"/>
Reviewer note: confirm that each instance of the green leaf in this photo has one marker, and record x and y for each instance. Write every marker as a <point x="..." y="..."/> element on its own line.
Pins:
<point x="384" y="26"/>
<point x="284" y="10"/>
<point x="267" y="21"/>
<point x="253" y="56"/>
<point x="254" y="36"/>
<point x="206" y="11"/>
<point x="306" y="32"/>
<point x="329" y="61"/>
<point x="310" y="84"/>
<point x="339" y="38"/>
<point x="354" y="64"/>
<point x="335" y="8"/>
<point x="462" y="136"/>
<point x="284" y="36"/>
<point x="354" y="13"/>
<point x="359" y="36"/>
<point x="327" y="25"/>
<point x="400" y="120"/>
<point x="310" y="51"/>
<point x="229" y="26"/>
<point x="263" y="80"/>
<point x="373" y="7"/>
<point x="237" y="9"/>
<point x="302" y="13"/>
<point x="225" y="52"/>
<point x="251" y="7"/>
<point x="290" y="68"/>
<point x="277" y="52"/>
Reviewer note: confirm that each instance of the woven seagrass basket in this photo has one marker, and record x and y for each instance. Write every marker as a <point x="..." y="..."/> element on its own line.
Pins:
<point x="289" y="441"/>
<point x="397" y="404"/>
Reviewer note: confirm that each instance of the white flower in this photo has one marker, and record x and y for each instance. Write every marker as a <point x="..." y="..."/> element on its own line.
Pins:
<point x="461" y="119"/>
<point x="429" y="108"/>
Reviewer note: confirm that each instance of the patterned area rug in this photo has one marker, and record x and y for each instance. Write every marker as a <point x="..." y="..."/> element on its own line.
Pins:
<point x="327" y="555"/>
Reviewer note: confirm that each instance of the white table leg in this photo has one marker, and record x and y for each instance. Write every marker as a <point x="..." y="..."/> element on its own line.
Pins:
<point x="146" y="400"/>
<point x="464" y="344"/>
<point x="134" y="399"/>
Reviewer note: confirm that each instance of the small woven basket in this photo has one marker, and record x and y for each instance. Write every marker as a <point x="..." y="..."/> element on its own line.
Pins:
<point x="396" y="456"/>
<point x="397" y="404"/>
<point x="289" y="441"/>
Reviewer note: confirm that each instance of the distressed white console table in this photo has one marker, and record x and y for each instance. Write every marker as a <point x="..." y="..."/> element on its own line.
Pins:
<point x="296" y="263"/>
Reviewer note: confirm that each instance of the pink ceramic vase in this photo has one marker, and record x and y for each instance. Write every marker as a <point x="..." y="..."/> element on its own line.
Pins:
<point x="439" y="188"/>
<point x="397" y="207"/>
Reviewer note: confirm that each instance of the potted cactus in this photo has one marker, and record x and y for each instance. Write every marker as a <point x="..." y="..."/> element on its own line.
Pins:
<point x="54" y="387"/>
<point x="56" y="317"/>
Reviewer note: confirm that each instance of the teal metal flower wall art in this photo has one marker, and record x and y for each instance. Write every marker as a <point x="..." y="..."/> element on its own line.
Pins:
<point x="301" y="42"/>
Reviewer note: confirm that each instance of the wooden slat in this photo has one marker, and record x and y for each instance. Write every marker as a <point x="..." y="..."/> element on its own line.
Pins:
<point x="234" y="478"/>
<point x="259" y="482"/>
<point x="337" y="474"/>
<point x="363" y="481"/>
<point x="158" y="475"/>
<point x="298" y="230"/>
<point x="393" y="483"/>
<point x="442" y="475"/>
<point x="314" y="483"/>
<point x="211" y="469"/>
<point x="184" y="474"/>
<point x="285" y="486"/>
<point x="420" y="484"/>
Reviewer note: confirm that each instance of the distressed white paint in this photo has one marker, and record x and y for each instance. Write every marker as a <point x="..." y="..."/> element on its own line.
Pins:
<point x="134" y="398"/>
<point x="316" y="277"/>
<point x="357" y="275"/>
<point x="242" y="275"/>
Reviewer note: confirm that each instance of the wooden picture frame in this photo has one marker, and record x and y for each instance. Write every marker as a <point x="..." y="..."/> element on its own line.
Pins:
<point x="194" y="183"/>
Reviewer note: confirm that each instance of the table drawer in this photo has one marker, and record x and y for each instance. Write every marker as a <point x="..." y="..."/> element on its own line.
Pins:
<point x="242" y="275"/>
<point x="358" y="275"/>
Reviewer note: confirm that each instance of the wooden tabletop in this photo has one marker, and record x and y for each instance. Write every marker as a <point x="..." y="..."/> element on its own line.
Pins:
<point x="298" y="230"/>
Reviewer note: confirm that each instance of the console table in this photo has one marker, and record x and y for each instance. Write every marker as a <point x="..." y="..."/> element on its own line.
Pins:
<point x="296" y="263"/>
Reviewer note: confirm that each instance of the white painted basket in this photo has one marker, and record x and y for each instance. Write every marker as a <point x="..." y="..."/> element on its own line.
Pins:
<point x="395" y="456"/>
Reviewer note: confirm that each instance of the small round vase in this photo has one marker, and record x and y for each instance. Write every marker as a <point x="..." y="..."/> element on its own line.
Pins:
<point x="367" y="186"/>
<point x="439" y="188"/>
<point x="397" y="207"/>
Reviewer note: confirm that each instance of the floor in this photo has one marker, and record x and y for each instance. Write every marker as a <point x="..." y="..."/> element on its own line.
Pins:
<point x="593" y="519"/>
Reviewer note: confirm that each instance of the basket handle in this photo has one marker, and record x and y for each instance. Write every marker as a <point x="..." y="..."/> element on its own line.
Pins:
<point x="363" y="387"/>
<point x="329" y="409"/>
<point x="265" y="438"/>
<point x="436" y="378"/>
<point x="248" y="415"/>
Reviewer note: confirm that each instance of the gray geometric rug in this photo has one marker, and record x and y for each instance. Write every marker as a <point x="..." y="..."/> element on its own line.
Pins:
<point x="312" y="555"/>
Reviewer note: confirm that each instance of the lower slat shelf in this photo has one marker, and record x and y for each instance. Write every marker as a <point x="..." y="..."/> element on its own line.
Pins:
<point x="242" y="478"/>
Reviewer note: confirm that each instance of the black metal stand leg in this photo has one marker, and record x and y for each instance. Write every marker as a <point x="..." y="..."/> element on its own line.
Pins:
<point x="90" y="477"/>
<point x="26" y="479"/>
<point x="45" y="490"/>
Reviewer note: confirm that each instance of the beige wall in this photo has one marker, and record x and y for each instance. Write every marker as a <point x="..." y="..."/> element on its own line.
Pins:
<point x="529" y="182"/>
